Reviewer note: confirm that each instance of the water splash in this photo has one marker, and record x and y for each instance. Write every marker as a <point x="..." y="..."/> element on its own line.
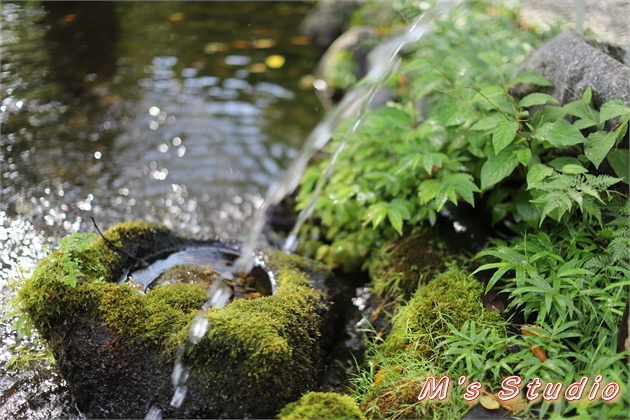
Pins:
<point x="383" y="62"/>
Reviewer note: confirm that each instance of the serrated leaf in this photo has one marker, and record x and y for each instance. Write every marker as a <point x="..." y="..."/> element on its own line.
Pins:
<point x="503" y="134"/>
<point x="376" y="214"/>
<point x="531" y="77"/>
<point x="396" y="219"/>
<point x="537" y="173"/>
<point x="598" y="146"/>
<point x="574" y="169"/>
<point x="497" y="168"/>
<point x="612" y="109"/>
<point x="618" y="159"/>
<point x="559" y="134"/>
<point x="524" y="156"/>
<point x="463" y="185"/>
<point x="487" y="123"/>
<point x="430" y="160"/>
<point x="536" y="99"/>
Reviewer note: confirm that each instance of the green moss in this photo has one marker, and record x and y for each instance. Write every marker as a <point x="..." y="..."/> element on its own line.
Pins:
<point x="410" y="353"/>
<point x="322" y="405"/>
<point x="272" y="340"/>
<point x="452" y="297"/>
<point x="401" y="265"/>
<point x="271" y="346"/>
<point x="49" y="298"/>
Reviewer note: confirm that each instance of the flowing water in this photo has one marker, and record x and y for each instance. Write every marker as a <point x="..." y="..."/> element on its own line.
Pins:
<point x="383" y="62"/>
<point x="181" y="113"/>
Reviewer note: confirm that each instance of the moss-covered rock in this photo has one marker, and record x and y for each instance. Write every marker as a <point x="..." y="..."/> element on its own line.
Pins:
<point x="116" y="347"/>
<point x="410" y="353"/>
<point x="452" y="297"/>
<point x="322" y="405"/>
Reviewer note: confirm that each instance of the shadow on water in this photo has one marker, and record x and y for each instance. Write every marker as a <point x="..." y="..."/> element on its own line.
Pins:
<point x="182" y="113"/>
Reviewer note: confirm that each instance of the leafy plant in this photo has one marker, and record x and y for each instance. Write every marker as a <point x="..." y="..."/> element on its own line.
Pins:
<point x="458" y="132"/>
<point x="555" y="175"/>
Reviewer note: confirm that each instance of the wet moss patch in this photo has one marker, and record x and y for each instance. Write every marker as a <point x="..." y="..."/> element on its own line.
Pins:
<point x="452" y="297"/>
<point x="322" y="405"/>
<point x="411" y="352"/>
<point x="257" y="355"/>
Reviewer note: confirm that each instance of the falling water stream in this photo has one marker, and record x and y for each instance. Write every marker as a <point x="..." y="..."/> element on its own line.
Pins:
<point x="383" y="62"/>
<point x="126" y="136"/>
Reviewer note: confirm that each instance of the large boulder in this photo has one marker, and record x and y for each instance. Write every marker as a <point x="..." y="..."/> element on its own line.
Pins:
<point x="117" y="346"/>
<point x="572" y="65"/>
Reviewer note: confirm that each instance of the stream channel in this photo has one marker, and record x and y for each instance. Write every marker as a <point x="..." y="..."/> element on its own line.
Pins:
<point x="181" y="113"/>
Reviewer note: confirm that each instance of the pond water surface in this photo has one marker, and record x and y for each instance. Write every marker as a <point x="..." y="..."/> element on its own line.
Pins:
<point x="181" y="113"/>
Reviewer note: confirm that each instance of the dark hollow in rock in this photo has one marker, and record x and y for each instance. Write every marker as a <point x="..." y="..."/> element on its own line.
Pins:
<point x="116" y="347"/>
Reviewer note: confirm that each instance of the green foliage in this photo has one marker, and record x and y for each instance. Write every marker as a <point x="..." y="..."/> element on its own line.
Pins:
<point x="556" y="175"/>
<point x="458" y="133"/>
<point x="572" y="282"/>
<point x="68" y="264"/>
<point x="322" y="405"/>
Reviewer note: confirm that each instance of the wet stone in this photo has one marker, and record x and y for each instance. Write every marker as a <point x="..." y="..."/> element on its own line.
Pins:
<point x="186" y="273"/>
<point x="114" y="338"/>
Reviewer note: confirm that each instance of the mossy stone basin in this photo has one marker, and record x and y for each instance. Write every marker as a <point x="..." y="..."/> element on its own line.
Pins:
<point x="116" y="347"/>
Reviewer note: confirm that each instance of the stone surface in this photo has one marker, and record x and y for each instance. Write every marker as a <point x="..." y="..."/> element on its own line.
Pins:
<point x="327" y="21"/>
<point x="606" y="19"/>
<point x="572" y="65"/>
<point x="117" y="348"/>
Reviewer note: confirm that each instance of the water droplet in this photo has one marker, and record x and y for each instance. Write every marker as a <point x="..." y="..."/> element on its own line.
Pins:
<point x="154" y="414"/>
<point x="221" y="295"/>
<point x="198" y="329"/>
<point x="179" y="375"/>
<point x="178" y="396"/>
<point x="154" y="110"/>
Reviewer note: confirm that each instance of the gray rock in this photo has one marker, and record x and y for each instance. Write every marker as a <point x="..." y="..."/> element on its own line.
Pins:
<point x="572" y="65"/>
<point x="327" y="21"/>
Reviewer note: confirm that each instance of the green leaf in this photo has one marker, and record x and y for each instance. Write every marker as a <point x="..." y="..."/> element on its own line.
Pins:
<point x="536" y="99"/>
<point x="376" y="214"/>
<point x="588" y="93"/>
<point x="497" y="168"/>
<point x="561" y="162"/>
<point x="503" y="134"/>
<point x="396" y="219"/>
<point x="574" y="169"/>
<point x="531" y="77"/>
<point x="493" y="97"/>
<point x="559" y="134"/>
<point x="598" y="146"/>
<point x="612" y="109"/>
<point x="581" y="110"/>
<point x="537" y="173"/>
<point x="524" y="156"/>
<point x="429" y="160"/>
<point x="486" y="123"/>
<point x="618" y="159"/>
<point x="583" y="123"/>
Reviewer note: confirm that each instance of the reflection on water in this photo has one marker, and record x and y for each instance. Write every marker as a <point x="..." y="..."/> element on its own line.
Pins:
<point x="181" y="113"/>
